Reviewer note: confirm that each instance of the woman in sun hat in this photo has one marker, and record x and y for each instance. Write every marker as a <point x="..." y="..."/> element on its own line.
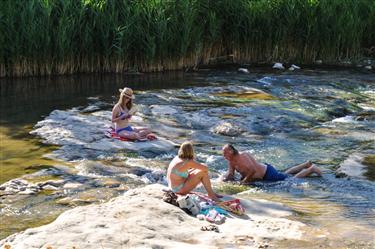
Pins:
<point x="121" y="114"/>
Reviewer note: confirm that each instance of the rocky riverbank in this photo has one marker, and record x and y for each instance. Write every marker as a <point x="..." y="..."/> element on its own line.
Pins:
<point x="141" y="219"/>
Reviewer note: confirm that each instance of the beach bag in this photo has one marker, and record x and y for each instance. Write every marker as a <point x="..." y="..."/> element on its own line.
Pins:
<point x="170" y="197"/>
<point x="188" y="204"/>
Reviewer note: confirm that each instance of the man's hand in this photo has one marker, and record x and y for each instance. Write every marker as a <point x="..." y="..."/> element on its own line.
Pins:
<point x="228" y="177"/>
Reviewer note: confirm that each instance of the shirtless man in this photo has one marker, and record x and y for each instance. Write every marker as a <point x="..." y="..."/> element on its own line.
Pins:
<point x="251" y="170"/>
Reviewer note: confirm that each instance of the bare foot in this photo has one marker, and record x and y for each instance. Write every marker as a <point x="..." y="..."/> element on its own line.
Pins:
<point x="308" y="164"/>
<point x="316" y="170"/>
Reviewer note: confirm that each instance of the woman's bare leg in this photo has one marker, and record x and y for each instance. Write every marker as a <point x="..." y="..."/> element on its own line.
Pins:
<point x="143" y="132"/>
<point x="196" y="177"/>
<point x="129" y="135"/>
<point x="298" y="168"/>
<point x="306" y="172"/>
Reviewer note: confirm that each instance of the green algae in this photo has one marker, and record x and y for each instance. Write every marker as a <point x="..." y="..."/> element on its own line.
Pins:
<point x="246" y="96"/>
<point x="369" y="161"/>
<point x="231" y="189"/>
<point x="21" y="154"/>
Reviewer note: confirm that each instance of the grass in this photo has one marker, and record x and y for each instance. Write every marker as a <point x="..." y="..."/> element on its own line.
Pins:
<point x="44" y="37"/>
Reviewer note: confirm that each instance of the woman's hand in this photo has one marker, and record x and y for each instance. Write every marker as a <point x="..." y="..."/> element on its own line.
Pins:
<point x="123" y="116"/>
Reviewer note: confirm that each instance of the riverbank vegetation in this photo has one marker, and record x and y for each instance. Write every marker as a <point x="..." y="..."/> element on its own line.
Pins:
<point x="43" y="37"/>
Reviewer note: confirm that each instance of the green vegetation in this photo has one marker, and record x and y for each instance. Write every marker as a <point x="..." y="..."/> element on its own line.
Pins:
<point x="20" y="155"/>
<point x="42" y="37"/>
<point x="231" y="189"/>
<point x="369" y="161"/>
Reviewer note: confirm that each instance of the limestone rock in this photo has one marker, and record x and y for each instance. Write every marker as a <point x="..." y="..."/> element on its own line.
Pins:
<point x="243" y="70"/>
<point x="279" y="66"/>
<point x="227" y="129"/>
<point x="141" y="219"/>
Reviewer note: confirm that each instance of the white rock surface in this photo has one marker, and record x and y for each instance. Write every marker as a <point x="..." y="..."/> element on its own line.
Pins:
<point x="227" y="129"/>
<point x="279" y="66"/>
<point x="87" y="132"/>
<point x="140" y="219"/>
<point x="295" y="66"/>
<point x="162" y="110"/>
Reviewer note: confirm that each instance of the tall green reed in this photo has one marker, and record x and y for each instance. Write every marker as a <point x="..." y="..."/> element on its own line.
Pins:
<point x="43" y="37"/>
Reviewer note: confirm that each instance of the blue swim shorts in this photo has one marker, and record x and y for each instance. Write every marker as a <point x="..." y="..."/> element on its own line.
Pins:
<point x="273" y="175"/>
<point x="127" y="128"/>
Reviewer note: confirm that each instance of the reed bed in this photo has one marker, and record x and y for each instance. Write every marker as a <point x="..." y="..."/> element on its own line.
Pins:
<point x="44" y="37"/>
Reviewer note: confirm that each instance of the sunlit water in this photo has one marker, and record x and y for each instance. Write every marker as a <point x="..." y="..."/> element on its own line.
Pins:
<point x="284" y="119"/>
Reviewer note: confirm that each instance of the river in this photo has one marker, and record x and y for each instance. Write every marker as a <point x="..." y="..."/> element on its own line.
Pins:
<point x="283" y="118"/>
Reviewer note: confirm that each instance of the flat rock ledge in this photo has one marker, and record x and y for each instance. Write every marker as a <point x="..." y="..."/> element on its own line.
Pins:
<point x="140" y="219"/>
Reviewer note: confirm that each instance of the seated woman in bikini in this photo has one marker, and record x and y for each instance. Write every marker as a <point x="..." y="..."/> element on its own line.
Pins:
<point x="121" y="114"/>
<point x="184" y="173"/>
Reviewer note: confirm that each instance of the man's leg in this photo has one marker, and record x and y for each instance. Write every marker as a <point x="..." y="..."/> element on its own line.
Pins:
<point x="299" y="168"/>
<point x="309" y="171"/>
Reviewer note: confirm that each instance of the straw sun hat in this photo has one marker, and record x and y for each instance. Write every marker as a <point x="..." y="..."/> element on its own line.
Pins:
<point x="127" y="92"/>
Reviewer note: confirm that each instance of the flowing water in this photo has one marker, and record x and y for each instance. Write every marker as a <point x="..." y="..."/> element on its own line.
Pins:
<point x="281" y="118"/>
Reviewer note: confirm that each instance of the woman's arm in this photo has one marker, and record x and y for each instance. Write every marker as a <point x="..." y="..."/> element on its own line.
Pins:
<point x="115" y="112"/>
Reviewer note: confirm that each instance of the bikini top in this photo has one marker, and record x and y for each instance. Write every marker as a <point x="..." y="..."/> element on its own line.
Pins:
<point x="184" y="174"/>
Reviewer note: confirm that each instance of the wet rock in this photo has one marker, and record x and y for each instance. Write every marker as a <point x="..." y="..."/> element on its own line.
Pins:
<point x="19" y="186"/>
<point x="69" y="201"/>
<point x="109" y="183"/>
<point x="54" y="183"/>
<point x="49" y="187"/>
<point x="368" y="67"/>
<point x="279" y="66"/>
<point x="340" y="174"/>
<point x="227" y="129"/>
<point x="163" y="110"/>
<point x="366" y="116"/>
<point x="156" y="176"/>
<point x="138" y="171"/>
<point x="72" y="185"/>
<point x="28" y="192"/>
<point x="319" y="62"/>
<point x="243" y="70"/>
<point x="91" y="108"/>
<point x="294" y="67"/>
<point x="340" y="108"/>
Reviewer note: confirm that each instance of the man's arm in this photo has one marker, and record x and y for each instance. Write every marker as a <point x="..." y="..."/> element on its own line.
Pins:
<point x="250" y="170"/>
<point x="230" y="174"/>
<point x="248" y="178"/>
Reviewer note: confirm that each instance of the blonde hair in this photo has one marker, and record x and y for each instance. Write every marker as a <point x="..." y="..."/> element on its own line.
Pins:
<point x="186" y="151"/>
